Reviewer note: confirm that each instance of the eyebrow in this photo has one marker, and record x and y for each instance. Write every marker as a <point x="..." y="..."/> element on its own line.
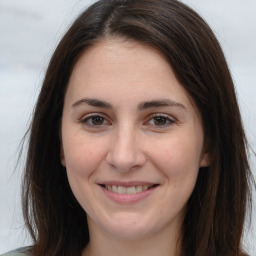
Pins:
<point x="93" y="102"/>
<point x="160" y="103"/>
<point x="142" y="106"/>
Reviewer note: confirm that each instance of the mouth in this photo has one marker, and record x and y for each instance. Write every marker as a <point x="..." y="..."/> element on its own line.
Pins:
<point x="128" y="190"/>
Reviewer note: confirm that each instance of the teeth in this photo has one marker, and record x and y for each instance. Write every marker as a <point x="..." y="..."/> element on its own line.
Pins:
<point x="139" y="189"/>
<point x="127" y="190"/>
<point x="131" y="190"/>
<point x="114" y="188"/>
<point x="144" y="187"/>
<point x="121" y="190"/>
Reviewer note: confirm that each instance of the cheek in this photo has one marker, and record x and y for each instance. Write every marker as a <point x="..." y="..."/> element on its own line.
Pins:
<point x="178" y="157"/>
<point x="82" y="156"/>
<point x="178" y="160"/>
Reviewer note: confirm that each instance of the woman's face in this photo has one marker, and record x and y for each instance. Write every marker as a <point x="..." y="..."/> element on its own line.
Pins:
<point x="132" y="140"/>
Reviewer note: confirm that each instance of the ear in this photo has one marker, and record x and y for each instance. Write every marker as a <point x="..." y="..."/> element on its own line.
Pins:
<point x="205" y="160"/>
<point x="62" y="156"/>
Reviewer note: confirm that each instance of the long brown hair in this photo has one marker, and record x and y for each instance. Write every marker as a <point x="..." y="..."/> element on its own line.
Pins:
<point x="214" y="221"/>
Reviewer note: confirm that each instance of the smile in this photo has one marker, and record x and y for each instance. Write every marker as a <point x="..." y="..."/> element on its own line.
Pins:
<point x="128" y="190"/>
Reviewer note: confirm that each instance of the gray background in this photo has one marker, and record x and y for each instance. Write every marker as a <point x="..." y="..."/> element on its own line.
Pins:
<point x="29" y="32"/>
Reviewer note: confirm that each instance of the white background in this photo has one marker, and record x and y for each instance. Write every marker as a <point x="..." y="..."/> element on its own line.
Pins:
<point x="29" y="31"/>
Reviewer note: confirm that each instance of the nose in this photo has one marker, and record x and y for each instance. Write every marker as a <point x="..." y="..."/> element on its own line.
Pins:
<point x="125" y="151"/>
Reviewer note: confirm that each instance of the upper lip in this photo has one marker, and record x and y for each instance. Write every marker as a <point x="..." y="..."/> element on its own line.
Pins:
<point x="127" y="184"/>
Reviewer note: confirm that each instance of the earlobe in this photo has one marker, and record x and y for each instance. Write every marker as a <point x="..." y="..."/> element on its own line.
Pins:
<point x="62" y="156"/>
<point x="205" y="160"/>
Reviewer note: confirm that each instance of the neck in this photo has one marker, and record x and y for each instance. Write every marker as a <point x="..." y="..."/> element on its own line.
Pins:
<point x="164" y="243"/>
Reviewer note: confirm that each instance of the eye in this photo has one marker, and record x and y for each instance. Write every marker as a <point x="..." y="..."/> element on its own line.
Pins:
<point x="160" y="120"/>
<point x="94" y="120"/>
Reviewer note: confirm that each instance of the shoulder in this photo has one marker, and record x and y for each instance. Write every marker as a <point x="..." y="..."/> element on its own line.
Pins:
<point x="18" y="252"/>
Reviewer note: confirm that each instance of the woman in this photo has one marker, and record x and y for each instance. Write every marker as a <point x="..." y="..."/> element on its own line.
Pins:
<point x="137" y="145"/>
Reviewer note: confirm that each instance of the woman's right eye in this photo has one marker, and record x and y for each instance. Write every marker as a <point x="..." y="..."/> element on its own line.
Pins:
<point x="94" y="121"/>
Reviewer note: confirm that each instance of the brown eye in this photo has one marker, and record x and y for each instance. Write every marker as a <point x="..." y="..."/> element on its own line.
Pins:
<point x="159" y="120"/>
<point x="94" y="121"/>
<point x="97" y="120"/>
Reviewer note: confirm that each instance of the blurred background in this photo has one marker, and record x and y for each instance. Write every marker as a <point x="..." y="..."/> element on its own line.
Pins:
<point x="29" y="32"/>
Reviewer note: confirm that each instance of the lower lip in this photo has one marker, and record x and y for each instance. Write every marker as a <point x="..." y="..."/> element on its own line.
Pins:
<point x="128" y="198"/>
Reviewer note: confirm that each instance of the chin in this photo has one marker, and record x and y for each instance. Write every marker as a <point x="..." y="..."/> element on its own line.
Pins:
<point x="128" y="233"/>
<point x="131" y="228"/>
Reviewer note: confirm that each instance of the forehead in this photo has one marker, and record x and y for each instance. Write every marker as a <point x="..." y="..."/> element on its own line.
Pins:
<point x="124" y="64"/>
<point x="117" y="55"/>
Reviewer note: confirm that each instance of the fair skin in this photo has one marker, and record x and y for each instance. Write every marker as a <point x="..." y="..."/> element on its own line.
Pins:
<point x="132" y="145"/>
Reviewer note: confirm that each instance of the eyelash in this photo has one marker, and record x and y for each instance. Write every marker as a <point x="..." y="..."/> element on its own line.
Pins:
<point x="166" y="118"/>
<point x="88" y="120"/>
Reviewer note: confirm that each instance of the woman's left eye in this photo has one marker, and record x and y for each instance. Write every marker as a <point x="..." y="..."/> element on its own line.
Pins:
<point x="160" y="121"/>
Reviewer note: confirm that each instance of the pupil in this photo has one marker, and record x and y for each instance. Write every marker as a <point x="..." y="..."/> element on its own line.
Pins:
<point x="160" y="120"/>
<point x="97" y="120"/>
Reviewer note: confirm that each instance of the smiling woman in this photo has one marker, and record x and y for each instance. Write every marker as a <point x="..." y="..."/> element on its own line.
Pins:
<point x="129" y="189"/>
<point x="133" y="148"/>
